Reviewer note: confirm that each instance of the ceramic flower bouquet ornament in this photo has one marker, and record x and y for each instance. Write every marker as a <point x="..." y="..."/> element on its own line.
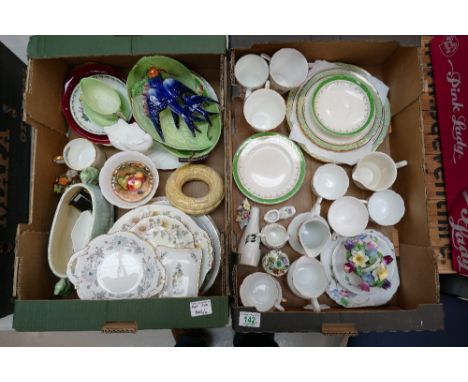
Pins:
<point x="364" y="259"/>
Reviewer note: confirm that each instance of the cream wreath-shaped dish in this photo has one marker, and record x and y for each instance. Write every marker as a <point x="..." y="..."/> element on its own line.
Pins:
<point x="195" y="206"/>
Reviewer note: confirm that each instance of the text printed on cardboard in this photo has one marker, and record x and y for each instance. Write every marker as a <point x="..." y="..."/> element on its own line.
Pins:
<point x="249" y="319"/>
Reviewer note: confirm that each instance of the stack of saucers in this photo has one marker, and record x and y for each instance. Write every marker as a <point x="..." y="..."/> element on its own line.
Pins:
<point x="339" y="113"/>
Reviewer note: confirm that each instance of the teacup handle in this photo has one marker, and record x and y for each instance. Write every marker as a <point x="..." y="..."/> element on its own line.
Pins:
<point x="265" y="57"/>
<point x="267" y="85"/>
<point x="248" y="92"/>
<point x="314" y="305"/>
<point x="71" y="268"/>
<point x="315" y="211"/>
<point x="279" y="307"/>
<point x="401" y="164"/>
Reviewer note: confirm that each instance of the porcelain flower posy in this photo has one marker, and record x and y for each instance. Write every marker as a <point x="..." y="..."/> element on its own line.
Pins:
<point x="364" y="259"/>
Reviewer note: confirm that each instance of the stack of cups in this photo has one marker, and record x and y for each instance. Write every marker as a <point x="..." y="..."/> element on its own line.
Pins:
<point x="264" y="107"/>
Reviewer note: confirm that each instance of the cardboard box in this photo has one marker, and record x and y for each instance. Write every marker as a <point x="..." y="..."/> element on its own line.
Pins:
<point x="51" y="58"/>
<point x="416" y="305"/>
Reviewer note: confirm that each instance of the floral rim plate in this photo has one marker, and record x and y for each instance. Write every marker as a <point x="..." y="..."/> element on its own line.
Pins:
<point x="182" y="270"/>
<point x="201" y="238"/>
<point x="208" y="225"/>
<point x="116" y="266"/>
<point x="165" y="231"/>
<point x="71" y="104"/>
<point x="350" y="280"/>
<point x="344" y="297"/>
<point x="340" y="86"/>
<point x="254" y="174"/>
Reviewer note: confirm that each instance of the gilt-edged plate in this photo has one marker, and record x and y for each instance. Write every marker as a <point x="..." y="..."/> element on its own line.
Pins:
<point x="178" y="141"/>
<point x="72" y="106"/>
<point x="200" y="237"/>
<point x="343" y="105"/>
<point x="269" y="168"/>
<point x="304" y="115"/>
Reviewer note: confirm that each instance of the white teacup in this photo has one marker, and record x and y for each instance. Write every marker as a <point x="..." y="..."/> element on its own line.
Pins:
<point x="376" y="171"/>
<point x="251" y="71"/>
<point x="80" y="153"/>
<point x="386" y="207"/>
<point x="313" y="235"/>
<point x="264" y="109"/>
<point x="307" y="279"/>
<point x="348" y="216"/>
<point x="288" y="69"/>
<point x="330" y="181"/>
<point x="274" y="236"/>
<point x="261" y="291"/>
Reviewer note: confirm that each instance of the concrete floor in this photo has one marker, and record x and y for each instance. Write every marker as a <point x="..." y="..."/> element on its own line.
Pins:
<point x="221" y="337"/>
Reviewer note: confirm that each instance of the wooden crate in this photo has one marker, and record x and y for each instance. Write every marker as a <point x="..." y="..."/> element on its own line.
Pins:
<point x="439" y="231"/>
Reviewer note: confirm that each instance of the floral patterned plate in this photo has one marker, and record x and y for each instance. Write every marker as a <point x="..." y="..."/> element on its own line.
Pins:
<point x="379" y="250"/>
<point x="183" y="271"/>
<point x="208" y="225"/>
<point x="344" y="297"/>
<point x="163" y="230"/>
<point x="116" y="266"/>
<point x="200" y="237"/>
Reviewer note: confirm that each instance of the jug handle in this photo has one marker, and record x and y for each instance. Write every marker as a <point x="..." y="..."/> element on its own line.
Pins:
<point x="315" y="211"/>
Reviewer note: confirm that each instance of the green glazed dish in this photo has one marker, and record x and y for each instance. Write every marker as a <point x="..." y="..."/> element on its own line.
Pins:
<point x="179" y="142"/>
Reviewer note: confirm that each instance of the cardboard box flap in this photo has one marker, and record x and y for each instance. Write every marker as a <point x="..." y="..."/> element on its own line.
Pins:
<point x="91" y="46"/>
<point x="34" y="278"/>
<point x="72" y="46"/>
<point x="403" y="74"/>
<point x="43" y="94"/>
<point x="419" y="280"/>
<point x="245" y="42"/>
<point x="58" y="315"/>
<point x="424" y="317"/>
<point x="407" y="144"/>
<point x="46" y="144"/>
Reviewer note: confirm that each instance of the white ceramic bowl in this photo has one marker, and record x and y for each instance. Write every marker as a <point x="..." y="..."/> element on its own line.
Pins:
<point x="264" y="109"/>
<point x="386" y="207"/>
<point x="274" y="236"/>
<point x="348" y="216"/>
<point x="105" y="178"/>
<point x="261" y="291"/>
<point x="330" y="181"/>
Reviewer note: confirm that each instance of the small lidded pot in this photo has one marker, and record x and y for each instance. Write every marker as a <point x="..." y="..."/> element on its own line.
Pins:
<point x="276" y="263"/>
<point x="274" y="236"/>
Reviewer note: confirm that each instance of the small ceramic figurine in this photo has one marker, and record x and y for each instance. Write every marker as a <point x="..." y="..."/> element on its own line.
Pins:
<point x="181" y="100"/>
<point x="89" y="175"/>
<point x="243" y="213"/>
<point x="276" y="263"/>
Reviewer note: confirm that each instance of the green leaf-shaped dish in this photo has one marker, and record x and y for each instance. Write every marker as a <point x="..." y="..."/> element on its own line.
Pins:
<point x="179" y="142"/>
